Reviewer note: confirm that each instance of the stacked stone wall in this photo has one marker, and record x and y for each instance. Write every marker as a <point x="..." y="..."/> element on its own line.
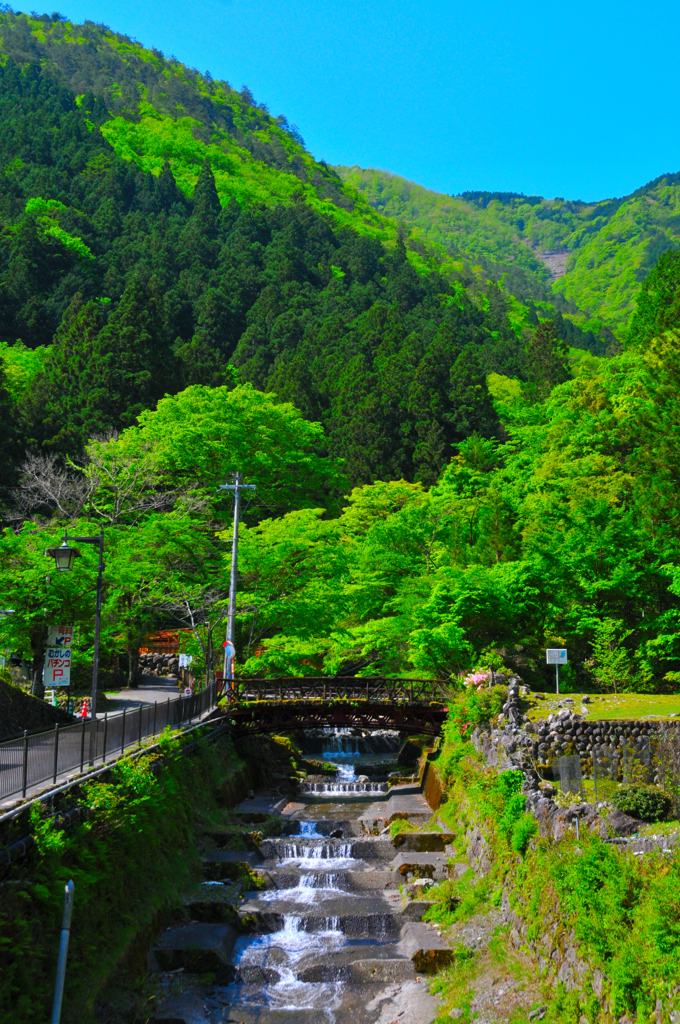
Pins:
<point x="513" y="741"/>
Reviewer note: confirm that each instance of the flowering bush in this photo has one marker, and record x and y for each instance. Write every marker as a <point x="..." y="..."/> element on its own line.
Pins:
<point x="478" y="679"/>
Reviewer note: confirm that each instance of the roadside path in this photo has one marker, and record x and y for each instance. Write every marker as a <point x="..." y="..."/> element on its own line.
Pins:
<point x="74" y="744"/>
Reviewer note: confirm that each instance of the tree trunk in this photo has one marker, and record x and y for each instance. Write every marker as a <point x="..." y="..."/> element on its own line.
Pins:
<point x="133" y="667"/>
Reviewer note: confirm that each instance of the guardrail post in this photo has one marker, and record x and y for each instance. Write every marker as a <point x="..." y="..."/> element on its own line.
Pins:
<point x="56" y="752"/>
<point x="167" y="713"/>
<point x="139" y="737"/>
<point x="411" y="693"/>
<point x="122" y="735"/>
<point x="106" y="733"/>
<point x="82" y="745"/>
<point x="155" y="709"/>
<point x="367" y="686"/>
<point x="24" y="770"/>
<point x="281" y="689"/>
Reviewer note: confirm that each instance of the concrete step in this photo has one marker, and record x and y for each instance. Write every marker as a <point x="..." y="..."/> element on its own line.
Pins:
<point x="424" y="947"/>
<point x="195" y="948"/>
<point x="356" y="964"/>
<point x="421" y="865"/>
<point x="309" y="848"/>
<point x="422" y="842"/>
<point x="365" y="879"/>
<point x="358" y="917"/>
<point x="229" y="864"/>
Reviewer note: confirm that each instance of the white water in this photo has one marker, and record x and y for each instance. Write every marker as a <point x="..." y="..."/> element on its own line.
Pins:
<point x="308" y="829"/>
<point x="291" y="949"/>
<point x="322" y="851"/>
<point x="343" y="787"/>
<point x="295" y="943"/>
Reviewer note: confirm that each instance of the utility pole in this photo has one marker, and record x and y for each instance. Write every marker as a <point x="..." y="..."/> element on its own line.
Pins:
<point x="236" y="487"/>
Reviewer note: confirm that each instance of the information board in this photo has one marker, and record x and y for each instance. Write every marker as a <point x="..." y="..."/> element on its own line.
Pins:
<point x="556" y="656"/>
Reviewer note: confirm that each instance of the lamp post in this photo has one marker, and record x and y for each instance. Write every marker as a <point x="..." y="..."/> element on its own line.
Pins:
<point x="64" y="558"/>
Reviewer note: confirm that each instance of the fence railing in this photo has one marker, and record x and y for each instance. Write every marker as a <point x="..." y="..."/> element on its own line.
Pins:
<point x="29" y="761"/>
<point x="374" y="688"/>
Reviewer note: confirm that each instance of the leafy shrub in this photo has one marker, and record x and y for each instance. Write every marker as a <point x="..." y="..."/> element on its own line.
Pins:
<point x="597" y="887"/>
<point x="649" y="803"/>
<point x="514" y="809"/>
<point x="510" y="782"/>
<point x="524" y="829"/>
<point x="483" y="705"/>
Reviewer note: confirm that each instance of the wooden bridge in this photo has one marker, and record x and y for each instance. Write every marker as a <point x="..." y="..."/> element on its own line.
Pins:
<point x="288" y="703"/>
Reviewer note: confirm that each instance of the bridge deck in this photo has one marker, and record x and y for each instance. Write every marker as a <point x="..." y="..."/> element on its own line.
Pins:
<point x="286" y="704"/>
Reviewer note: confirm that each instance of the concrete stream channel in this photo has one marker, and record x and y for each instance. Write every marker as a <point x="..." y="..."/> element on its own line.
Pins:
<point x="328" y="937"/>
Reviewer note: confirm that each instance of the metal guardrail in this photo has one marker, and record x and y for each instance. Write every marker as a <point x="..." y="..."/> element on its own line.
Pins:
<point x="372" y="688"/>
<point x="42" y="757"/>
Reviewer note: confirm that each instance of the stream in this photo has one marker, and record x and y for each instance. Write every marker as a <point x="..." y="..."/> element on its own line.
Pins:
<point x="326" y="943"/>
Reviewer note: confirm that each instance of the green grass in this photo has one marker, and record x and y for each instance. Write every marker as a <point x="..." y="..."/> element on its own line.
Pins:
<point x="607" y="706"/>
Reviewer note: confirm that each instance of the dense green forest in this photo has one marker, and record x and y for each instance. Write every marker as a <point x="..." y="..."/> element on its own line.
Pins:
<point x="456" y="465"/>
<point x="142" y="253"/>
<point x="612" y="244"/>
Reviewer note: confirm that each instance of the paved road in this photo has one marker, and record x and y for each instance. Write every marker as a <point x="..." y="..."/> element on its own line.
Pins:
<point x="152" y="689"/>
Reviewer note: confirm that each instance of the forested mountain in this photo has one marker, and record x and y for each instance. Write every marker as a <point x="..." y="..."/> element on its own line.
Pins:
<point x="161" y="229"/>
<point x="444" y="481"/>
<point x="612" y="244"/>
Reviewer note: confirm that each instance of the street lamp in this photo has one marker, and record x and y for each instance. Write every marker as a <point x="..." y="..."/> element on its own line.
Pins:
<point x="64" y="558"/>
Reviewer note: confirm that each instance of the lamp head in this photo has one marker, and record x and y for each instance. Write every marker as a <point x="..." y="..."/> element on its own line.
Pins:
<point x="64" y="556"/>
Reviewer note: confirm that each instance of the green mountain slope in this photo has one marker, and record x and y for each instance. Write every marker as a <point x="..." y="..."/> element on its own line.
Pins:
<point x="612" y="245"/>
<point x="152" y="109"/>
<point x="159" y="229"/>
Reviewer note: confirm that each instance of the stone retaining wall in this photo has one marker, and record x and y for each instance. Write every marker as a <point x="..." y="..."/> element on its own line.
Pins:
<point x="513" y="741"/>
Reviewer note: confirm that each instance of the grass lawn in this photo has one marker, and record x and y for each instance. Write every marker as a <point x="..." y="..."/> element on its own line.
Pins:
<point x="601" y="706"/>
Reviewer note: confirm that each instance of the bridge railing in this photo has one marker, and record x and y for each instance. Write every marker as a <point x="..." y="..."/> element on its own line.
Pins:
<point x="327" y="688"/>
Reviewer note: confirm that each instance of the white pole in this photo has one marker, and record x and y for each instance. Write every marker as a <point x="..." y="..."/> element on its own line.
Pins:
<point x="557" y="678"/>
<point x="228" y="664"/>
<point x="231" y="615"/>
<point x="63" y="953"/>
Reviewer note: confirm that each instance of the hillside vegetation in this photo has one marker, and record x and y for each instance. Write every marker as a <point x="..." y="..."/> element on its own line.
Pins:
<point x="161" y="229"/>
<point x="613" y="244"/>
<point x="455" y="468"/>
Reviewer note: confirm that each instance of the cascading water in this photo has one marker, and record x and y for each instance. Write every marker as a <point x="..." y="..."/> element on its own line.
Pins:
<point x="318" y="905"/>
<point x="322" y="851"/>
<point x="336" y="788"/>
<point x="343" y="749"/>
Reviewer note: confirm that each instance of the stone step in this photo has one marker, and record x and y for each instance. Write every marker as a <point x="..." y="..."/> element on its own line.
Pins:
<point x="364" y="879"/>
<point x="229" y="864"/>
<point x="404" y="1000"/>
<point x="196" y="949"/>
<point x="422" y="842"/>
<point x="356" y="964"/>
<point x="324" y="828"/>
<point x="424" y="947"/>
<point x="357" y="917"/>
<point x="421" y="865"/>
<point x="306" y="847"/>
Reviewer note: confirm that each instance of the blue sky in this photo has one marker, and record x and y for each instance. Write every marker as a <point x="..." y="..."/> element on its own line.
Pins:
<point x="578" y="100"/>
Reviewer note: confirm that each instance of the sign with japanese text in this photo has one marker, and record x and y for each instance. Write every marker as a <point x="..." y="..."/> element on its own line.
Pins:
<point x="556" y="656"/>
<point x="57" y="670"/>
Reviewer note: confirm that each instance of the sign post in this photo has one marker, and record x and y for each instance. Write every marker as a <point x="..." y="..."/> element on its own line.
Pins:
<point x="556" y="656"/>
<point x="57" y="671"/>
